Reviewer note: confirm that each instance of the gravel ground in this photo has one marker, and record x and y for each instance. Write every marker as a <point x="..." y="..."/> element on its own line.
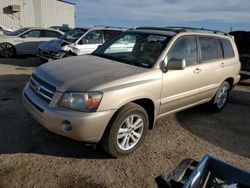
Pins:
<point x="30" y="156"/>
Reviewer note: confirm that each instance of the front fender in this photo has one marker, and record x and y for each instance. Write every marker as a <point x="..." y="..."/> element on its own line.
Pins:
<point x="115" y="99"/>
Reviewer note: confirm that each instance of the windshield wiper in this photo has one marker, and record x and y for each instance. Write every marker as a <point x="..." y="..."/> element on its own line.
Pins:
<point x="106" y="56"/>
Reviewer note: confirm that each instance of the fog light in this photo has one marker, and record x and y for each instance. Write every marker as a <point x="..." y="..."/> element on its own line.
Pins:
<point x="67" y="126"/>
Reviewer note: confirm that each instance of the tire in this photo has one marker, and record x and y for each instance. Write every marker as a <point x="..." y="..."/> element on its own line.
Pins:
<point x="130" y="140"/>
<point x="221" y="97"/>
<point x="68" y="55"/>
<point x="7" y="50"/>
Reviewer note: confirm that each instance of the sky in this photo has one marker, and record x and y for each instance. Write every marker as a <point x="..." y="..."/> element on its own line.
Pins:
<point x="212" y="14"/>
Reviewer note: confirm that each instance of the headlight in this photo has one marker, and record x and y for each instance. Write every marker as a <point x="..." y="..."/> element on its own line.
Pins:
<point x="82" y="101"/>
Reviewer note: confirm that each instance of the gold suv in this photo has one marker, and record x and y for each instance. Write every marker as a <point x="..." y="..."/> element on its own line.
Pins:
<point x="116" y="94"/>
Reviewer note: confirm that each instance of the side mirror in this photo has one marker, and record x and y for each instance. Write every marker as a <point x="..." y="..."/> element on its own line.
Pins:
<point x="174" y="64"/>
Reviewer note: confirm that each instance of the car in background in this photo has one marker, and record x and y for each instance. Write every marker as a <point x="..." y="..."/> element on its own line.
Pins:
<point x="242" y="40"/>
<point x="4" y="29"/>
<point x="64" y="29"/>
<point x="78" y="41"/>
<point x="25" y="40"/>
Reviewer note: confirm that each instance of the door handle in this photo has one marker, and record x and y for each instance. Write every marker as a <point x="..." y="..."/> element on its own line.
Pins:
<point x="197" y="71"/>
<point x="222" y="65"/>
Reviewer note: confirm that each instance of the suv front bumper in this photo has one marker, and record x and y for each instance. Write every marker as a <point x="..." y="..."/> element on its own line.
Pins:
<point x="88" y="127"/>
<point x="50" y="55"/>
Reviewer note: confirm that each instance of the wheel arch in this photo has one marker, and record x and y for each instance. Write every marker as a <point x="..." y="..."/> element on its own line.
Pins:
<point x="230" y="80"/>
<point x="145" y="103"/>
<point x="149" y="107"/>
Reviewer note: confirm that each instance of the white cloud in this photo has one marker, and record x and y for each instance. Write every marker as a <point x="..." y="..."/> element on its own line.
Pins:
<point x="234" y="11"/>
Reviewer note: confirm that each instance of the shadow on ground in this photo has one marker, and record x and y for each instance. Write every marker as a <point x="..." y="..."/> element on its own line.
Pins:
<point x="22" y="61"/>
<point x="19" y="133"/>
<point x="228" y="129"/>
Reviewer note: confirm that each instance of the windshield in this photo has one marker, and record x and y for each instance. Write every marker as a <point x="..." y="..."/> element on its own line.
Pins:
<point x="17" y="32"/>
<point x="73" y="35"/>
<point x="140" y="49"/>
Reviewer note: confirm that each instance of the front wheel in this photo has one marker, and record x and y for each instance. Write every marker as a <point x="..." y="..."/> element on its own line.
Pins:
<point x="221" y="97"/>
<point x="7" y="50"/>
<point x="126" y="131"/>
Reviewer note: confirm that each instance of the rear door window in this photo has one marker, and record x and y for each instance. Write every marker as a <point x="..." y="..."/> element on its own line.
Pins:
<point x="227" y="48"/>
<point x="219" y="49"/>
<point x="208" y="49"/>
<point x="51" y="34"/>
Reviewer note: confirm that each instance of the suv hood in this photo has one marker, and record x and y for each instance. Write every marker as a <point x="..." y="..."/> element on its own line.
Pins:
<point x="53" y="45"/>
<point x="81" y="73"/>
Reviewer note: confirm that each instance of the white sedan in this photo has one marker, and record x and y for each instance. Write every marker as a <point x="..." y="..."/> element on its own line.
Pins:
<point x="25" y="40"/>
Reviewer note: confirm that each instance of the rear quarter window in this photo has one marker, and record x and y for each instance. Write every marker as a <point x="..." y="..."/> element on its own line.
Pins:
<point x="227" y="48"/>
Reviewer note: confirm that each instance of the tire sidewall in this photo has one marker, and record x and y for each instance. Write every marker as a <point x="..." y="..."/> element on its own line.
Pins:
<point x="117" y="124"/>
<point x="215" y="106"/>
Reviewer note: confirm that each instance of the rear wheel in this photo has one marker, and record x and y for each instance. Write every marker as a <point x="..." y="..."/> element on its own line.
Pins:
<point x="7" y="50"/>
<point x="126" y="131"/>
<point x="220" y="99"/>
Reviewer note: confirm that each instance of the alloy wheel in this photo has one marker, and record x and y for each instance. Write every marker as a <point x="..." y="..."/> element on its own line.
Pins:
<point x="130" y="132"/>
<point x="6" y="50"/>
<point x="222" y="97"/>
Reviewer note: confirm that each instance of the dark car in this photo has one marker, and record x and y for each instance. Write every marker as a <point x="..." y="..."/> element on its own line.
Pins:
<point x="242" y="40"/>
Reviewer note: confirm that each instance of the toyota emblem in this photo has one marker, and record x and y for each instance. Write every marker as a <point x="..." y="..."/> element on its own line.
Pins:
<point x="36" y="88"/>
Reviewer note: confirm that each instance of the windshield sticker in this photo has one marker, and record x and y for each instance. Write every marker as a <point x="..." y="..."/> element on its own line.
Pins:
<point x="154" y="38"/>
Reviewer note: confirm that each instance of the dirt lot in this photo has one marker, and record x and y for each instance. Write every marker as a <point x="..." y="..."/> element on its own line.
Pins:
<point x="30" y="156"/>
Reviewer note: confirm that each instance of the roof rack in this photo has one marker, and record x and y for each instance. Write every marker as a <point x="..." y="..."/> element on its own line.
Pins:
<point x="158" y="28"/>
<point x="185" y="29"/>
<point x="182" y="29"/>
<point x="108" y="26"/>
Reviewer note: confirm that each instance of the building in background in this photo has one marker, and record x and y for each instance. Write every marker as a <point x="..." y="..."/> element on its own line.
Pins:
<point x="36" y="13"/>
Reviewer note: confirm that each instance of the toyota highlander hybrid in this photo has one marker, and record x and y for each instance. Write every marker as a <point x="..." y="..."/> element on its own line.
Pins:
<point x="117" y="93"/>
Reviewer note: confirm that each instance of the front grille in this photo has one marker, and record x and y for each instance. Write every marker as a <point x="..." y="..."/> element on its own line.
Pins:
<point x="41" y="88"/>
<point x="35" y="105"/>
